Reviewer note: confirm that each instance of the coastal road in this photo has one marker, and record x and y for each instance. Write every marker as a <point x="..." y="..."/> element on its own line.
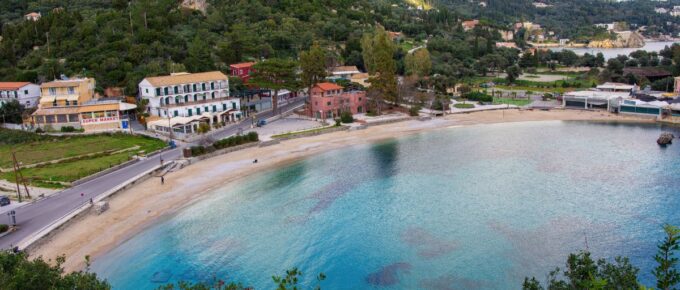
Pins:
<point x="35" y="216"/>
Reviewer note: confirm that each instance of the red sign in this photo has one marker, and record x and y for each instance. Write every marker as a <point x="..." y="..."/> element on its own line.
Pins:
<point x="100" y="120"/>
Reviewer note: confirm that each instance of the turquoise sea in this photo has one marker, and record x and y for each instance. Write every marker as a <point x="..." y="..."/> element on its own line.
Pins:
<point x="477" y="207"/>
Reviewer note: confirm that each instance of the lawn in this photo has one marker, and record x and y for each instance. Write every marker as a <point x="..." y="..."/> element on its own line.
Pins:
<point x="68" y="171"/>
<point x="106" y="150"/>
<point x="464" y="106"/>
<point x="65" y="147"/>
<point x="509" y="101"/>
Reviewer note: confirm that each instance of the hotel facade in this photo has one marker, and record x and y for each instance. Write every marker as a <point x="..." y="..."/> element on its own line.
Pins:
<point x="184" y="100"/>
<point x="73" y="102"/>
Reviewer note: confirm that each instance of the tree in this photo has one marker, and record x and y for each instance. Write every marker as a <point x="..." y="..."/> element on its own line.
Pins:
<point x="378" y="53"/>
<point x="418" y="63"/>
<point x="20" y="273"/>
<point x="275" y="74"/>
<point x="199" y="58"/>
<point x="11" y="112"/>
<point x="512" y="73"/>
<point x="289" y="282"/>
<point x="584" y="273"/>
<point x="666" y="274"/>
<point x="313" y="66"/>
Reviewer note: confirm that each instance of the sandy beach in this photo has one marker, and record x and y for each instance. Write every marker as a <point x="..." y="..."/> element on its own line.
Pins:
<point x="132" y="210"/>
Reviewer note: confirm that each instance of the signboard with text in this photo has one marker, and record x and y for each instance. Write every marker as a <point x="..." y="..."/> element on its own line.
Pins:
<point x="100" y="120"/>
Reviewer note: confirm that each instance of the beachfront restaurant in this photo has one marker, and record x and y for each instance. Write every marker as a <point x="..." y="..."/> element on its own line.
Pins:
<point x="594" y="100"/>
<point x="639" y="107"/>
<point x="181" y="126"/>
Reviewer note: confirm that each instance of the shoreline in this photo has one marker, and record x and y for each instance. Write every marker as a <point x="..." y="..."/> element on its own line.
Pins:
<point x="149" y="202"/>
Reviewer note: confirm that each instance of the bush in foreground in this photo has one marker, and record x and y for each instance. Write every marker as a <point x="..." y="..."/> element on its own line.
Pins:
<point x="20" y="273"/>
<point x="346" y="117"/>
<point x="3" y="228"/>
<point x="413" y="111"/>
<point x="225" y="143"/>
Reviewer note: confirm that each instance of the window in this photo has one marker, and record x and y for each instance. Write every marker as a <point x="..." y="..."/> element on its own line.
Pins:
<point x="204" y="97"/>
<point x="224" y="107"/>
<point x="195" y="97"/>
<point x="71" y="90"/>
<point x="53" y="91"/>
<point x="166" y="91"/>
<point x="186" y="98"/>
<point x="54" y="103"/>
<point x="328" y="104"/>
<point x="75" y="103"/>
<point x="175" y="113"/>
<point x="212" y="86"/>
<point x="198" y="111"/>
<point x="158" y="91"/>
<point x="176" y="90"/>
<point x="25" y="92"/>
<point x="213" y="95"/>
<point x="214" y="108"/>
<point x="146" y="91"/>
<point x="195" y="87"/>
<point x="190" y="112"/>
<point x="233" y="105"/>
<point x="176" y="100"/>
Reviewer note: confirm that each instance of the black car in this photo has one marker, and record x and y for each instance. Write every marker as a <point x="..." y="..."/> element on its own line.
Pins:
<point x="4" y="200"/>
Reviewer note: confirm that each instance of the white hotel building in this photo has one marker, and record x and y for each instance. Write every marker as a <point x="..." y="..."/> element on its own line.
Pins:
<point x="183" y="100"/>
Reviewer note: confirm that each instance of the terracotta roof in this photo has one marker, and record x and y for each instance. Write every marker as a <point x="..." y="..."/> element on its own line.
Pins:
<point x="345" y="69"/>
<point x="12" y="85"/>
<point x="242" y="65"/>
<point x="186" y="78"/>
<point x="64" y="83"/>
<point x="328" y="86"/>
<point x="56" y="111"/>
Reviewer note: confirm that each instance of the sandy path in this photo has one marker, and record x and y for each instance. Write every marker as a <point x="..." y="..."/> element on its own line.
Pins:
<point x="132" y="210"/>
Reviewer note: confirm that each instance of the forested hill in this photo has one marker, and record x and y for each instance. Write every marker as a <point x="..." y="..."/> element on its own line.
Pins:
<point x="120" y="44"/>
<point x="571" y="18"/>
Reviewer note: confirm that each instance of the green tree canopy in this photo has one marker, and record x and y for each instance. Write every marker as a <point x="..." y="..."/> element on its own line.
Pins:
<point x="275" y="74"/>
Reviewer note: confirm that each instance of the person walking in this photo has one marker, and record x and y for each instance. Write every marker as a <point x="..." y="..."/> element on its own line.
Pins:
<point x="162" y="180"/>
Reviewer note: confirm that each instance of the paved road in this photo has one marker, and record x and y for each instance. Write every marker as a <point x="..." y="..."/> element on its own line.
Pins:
<point x="33" y="217"/>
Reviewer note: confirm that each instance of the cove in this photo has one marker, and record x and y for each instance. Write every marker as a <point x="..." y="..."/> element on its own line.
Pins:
<point x="476" y="207"/>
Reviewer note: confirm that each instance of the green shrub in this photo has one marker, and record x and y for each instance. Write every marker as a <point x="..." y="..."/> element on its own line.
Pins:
<point x="252" y="136"/>
<point x="39" y="131"/>
<point x="197" y="150"/>
<point x="479" y="97"/>
<point x="3" y="228"/>
<point x="337" y="123"/>
<point x="464" y="106"/>
<point x="346" y="117"/>
<point x="413" y="111"/>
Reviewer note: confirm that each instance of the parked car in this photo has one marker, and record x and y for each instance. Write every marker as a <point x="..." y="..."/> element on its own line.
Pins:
<point x="261" y="122"/>
<point x="4" y="200"/>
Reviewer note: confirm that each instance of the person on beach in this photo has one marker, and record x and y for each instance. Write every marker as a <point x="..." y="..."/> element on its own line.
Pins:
<point x="162" y="180"/>
<point x="255" y="161"/>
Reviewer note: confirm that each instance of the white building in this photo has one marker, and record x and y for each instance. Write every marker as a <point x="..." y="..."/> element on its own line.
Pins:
<point x="343" y="72"/>
<point x="27" y="94"/>
<point x="593" y="99"/>
<point x="190" y="98"/>
<point x="617" y="87"/>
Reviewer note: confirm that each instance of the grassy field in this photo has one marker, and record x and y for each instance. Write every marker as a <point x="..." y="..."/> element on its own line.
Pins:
<point x="65" y="147"/>
<point x="106" y="150"/>
<point x="516" y="102"/>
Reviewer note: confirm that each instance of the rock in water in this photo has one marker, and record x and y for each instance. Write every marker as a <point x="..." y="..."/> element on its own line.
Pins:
<point x="665" y="139"/>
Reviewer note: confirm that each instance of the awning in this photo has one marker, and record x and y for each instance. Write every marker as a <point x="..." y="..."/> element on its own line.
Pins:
<point x="56" y="111"/>
<point x="127" y="107"/>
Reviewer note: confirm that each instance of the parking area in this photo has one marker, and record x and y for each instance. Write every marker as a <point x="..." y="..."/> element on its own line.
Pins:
<point x="288" y="124"/>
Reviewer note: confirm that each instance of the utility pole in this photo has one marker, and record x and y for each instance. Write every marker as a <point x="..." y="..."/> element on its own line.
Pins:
<point x="19" y="177"/>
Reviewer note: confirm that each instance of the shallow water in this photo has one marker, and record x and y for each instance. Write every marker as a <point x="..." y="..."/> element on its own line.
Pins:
<point x="476" y="207"/>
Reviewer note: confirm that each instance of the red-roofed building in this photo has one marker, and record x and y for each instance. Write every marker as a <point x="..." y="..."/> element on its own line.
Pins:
<point x="27" y="94"/>
<point x="242" y="70"/>
<point x="328" y="100"/>
<point x="33" y="16"/>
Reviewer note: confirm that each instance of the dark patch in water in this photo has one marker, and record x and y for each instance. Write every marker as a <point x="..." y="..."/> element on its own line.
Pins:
<point x="388" y="275"/>
<point x="161" y="277"/>
<point x="427" y="244"/>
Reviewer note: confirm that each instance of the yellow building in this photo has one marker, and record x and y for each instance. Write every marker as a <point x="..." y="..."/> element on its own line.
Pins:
<point x="73" y="103"/>
<point x="60" y="101"/>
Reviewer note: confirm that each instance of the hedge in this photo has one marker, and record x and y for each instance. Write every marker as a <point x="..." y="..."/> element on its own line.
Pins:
<point x="3" y="228"/>
<point x="225" y="143"/>
<point x="478" y="96"/>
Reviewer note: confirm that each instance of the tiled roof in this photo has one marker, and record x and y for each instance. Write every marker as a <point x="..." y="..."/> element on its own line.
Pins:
<point x="242" y="65"/>
<point x="328" y="86"/>
<point x="186" y="78"/>
<point x="338" y="69"/>
<point x="63" y="83"/>
<point x="12" y="85"/>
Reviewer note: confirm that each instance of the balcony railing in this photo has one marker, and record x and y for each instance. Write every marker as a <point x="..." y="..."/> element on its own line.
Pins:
<point x="172" y="103"/>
